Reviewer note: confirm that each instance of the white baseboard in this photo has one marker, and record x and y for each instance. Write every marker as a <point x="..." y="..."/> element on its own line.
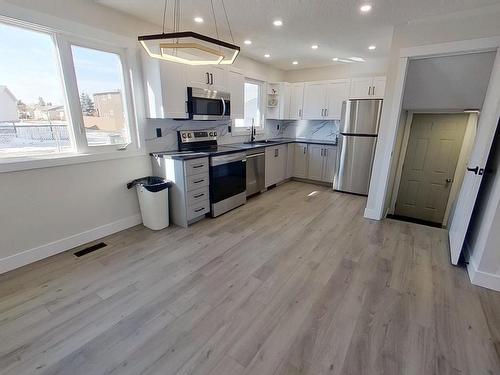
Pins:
<point x="47" y="250"/>
<point x="371" y="214"/>
<point x="481" y="278"/>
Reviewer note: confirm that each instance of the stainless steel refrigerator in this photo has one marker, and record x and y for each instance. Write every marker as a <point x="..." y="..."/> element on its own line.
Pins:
<point x="358" y="137"/>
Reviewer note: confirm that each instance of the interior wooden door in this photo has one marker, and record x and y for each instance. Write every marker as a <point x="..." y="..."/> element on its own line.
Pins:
<point x="430" y="162"/>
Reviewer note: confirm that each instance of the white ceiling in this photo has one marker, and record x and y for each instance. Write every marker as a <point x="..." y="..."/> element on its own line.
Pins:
<point x="337" y="26"/>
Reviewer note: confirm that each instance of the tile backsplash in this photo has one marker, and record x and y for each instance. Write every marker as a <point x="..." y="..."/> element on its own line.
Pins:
<point x="320" y="130"/>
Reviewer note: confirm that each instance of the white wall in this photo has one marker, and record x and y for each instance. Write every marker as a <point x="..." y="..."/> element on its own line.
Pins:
<point x="372" y="67"/>
<point x="48" y="210"/>
<point x="452" y="82"/>
<point x="456" y="27"/>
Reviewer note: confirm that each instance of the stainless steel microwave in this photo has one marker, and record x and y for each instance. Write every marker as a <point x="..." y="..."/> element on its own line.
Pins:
<point x="205" y="104"/>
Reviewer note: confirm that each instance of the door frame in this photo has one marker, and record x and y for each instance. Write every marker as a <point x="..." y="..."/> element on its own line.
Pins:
<point x="402" y="157"/>
<point x="379" y="184"/>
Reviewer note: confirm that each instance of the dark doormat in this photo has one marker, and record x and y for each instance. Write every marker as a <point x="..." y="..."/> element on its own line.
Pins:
<point x="413" y="220"/>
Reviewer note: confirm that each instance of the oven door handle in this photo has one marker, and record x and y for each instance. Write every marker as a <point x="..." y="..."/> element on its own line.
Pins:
<point x="223" y="108"/>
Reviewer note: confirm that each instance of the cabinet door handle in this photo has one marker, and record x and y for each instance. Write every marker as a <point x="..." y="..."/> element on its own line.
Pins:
<point x="198" y="165"/>
<point x="208" y="78"/>
<point x="198" y="195"/>
<point x="275" y="152"/>
<point x="211" y="79"/>
<point x="304" y="150"/>
<point x="198" y="181"/>
<point x="199" y="209"/>
<point x="326" y="112"/>
<point x="300" y="113"/>
<point x="369" y="90"/>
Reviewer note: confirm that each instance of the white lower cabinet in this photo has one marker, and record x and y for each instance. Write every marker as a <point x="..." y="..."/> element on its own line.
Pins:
<point x="300" y="160"/>
<point x="321" y="162"/>
<point x="315" y="162"/>
<point x="330" y="163"/>
<point x="276" y="158"/>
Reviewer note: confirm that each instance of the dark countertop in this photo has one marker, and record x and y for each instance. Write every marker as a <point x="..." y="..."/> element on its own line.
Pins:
<point x="238" y="147"/>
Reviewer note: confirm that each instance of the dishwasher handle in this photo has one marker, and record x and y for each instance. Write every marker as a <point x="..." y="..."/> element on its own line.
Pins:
<point x="255" y="155"/>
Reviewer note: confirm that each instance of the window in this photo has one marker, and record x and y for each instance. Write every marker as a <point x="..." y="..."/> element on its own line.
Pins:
<point x="99" y="77"/>
<point x="252" y="106"/>
<point x="59" y="95"/>
<point x="33" y="113"/>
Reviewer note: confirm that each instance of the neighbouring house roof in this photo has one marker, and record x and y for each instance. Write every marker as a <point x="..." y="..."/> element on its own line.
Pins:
<point x="6" y="89"/>
<point x="45" y="108"/>
<point x="107" y="93"/>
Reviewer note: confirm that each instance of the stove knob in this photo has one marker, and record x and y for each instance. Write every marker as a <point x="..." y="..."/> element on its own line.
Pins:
<point x="215" y="134"/>
<point x="183" y="135"/>
<point x="211" y="134"/>
<point x="189" y="135"/>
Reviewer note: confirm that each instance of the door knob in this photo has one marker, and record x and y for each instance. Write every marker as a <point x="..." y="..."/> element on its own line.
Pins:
<point x="448" y="180"/>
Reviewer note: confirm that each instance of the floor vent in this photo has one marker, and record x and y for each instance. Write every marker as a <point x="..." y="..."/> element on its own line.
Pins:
<point x="90" y="249"/>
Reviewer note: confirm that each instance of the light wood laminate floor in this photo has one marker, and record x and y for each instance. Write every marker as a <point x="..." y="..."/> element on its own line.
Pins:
<point x="294" y="282"/>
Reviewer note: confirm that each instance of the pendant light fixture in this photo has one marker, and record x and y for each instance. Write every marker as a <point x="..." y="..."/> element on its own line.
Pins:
<point x="189" y="47"/>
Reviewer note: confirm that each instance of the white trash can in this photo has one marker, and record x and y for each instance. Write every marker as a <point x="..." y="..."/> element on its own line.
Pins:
<point x="153" y="200"/>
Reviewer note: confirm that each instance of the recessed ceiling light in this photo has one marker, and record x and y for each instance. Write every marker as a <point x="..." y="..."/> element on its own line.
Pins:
<point x="365" y="8"/>
<point x="198" y="19"/>
<point x="314" y="46"/>
<point x="267" y="55"/>
<point x="357" y="59"/>
<point x="277" y="22"/>
<point x="247" y="42"/>
<point x="295" y="62"/>
<point x="372" y="47"/>
<point x="335" y="59"/>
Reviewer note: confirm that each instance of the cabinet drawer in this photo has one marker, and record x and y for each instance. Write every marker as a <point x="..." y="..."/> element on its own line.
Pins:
<point x="195" y="166"/>
<point x="196" y="181"/>
<point x="196" y="196"/>
<point x="198" y="209"/>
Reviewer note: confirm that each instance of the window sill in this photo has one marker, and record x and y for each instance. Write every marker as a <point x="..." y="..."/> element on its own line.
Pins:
<point x="16" y="164"/>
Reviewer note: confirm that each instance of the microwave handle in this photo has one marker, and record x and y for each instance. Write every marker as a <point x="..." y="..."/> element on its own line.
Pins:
<point x="223" y="108"/>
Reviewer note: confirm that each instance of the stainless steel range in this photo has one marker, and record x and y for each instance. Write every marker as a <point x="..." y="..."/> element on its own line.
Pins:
<point x="227" y="169"/>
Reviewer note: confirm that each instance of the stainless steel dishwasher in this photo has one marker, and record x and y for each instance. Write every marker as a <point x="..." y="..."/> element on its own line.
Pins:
<point x="256" y="170"/>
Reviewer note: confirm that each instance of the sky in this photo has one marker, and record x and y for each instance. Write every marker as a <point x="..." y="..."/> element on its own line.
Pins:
<point x="29" y="67"/>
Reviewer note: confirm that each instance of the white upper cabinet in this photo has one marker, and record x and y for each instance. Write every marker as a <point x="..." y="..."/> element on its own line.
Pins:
<point x="336" y="93"/>
<point x="323" y="100"/>
<point x="236" y="83"/>
<point x="367" y="88"/>
<point x="296" y="91"/>
<point x="165" y="87"/>
<point x="314" y="100"/>
<point x="207" y="77"/>
<point x="378" y="87"/>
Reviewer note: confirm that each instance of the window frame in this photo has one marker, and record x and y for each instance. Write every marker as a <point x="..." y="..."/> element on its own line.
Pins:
<point x="66" y="55"/>
<point x="65" y="65"/>
<point x="246" y="130"/>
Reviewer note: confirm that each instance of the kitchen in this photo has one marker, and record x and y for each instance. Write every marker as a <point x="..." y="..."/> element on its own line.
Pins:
<point x="343" y="106"/>
<point x="331" y="196"/>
